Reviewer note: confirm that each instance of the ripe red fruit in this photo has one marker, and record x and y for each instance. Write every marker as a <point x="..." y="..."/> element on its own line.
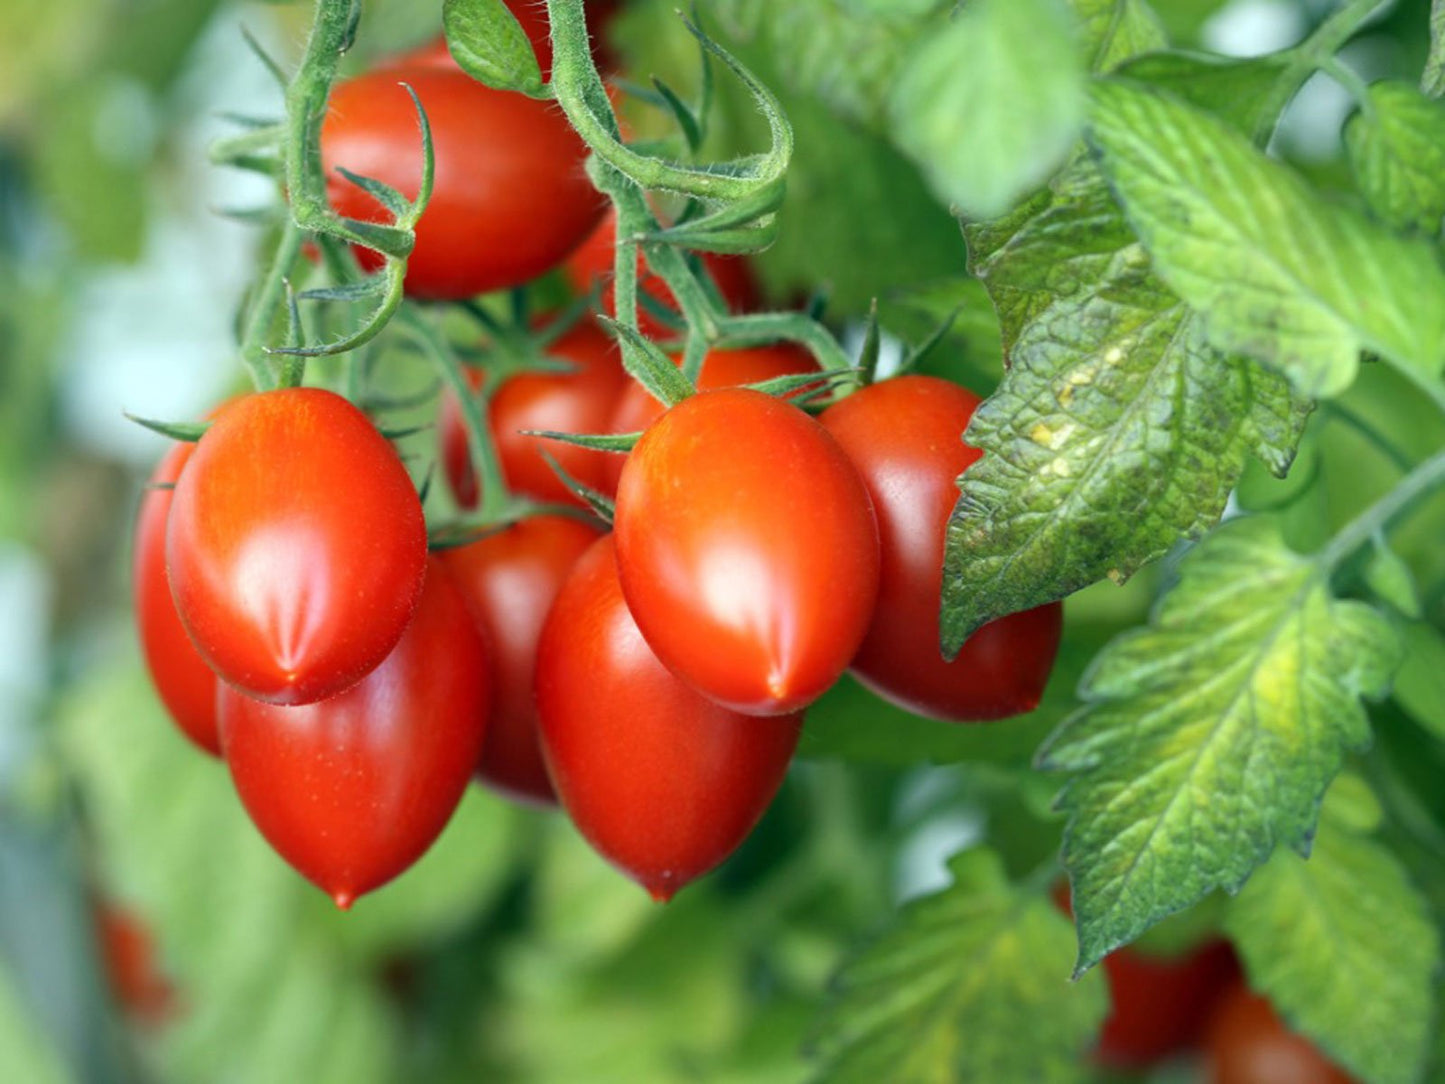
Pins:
<point x="132" y="966"/>
<point x="1161" y="1004"/>
<point x="509" y="580"/>
<point x="187" y="686"/>
<point x="1249" y="1044"/>
<point x="594" y="262"/>
<point x="664" y="783"/>
<point x="352" y="790"/>
<point x="904" y="436"/>
<point x="509" y="200"/>
<point x="747" y="550"/>
<point x="580" y="401"/>
<point x="636" y="409"/>
<point x="296" y="545"/>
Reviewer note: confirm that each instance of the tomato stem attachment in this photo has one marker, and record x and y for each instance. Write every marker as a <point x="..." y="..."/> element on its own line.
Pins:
<point x="1363" y="528"/>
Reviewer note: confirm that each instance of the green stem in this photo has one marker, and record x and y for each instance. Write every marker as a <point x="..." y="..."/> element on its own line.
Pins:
<point x="1383" y="444"/>
<point x="1342" y="74"/>
<point x="495" y="498"/>
<point x="267" y="369"/>
<point x="1363" y="528"/>
<point x="1312" y="54"/>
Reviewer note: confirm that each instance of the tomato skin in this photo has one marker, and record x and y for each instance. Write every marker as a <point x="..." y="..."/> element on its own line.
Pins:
<point x="664" y="783"/>
<point x="296" y="545"/>
<point x="747" y="550"/>
<point x="580" y="401"/>
<point x="904" y="436"/>
<point x="509" y="580"/>
<point x="636" y="409"/>
<point x="352" y="790"/>
<point x="593" y="261"/>
<point x="1161" y="1004"/>
<point x="186" y="685"/>
<point x="1248" y="1043"/>
<point x="509" y="201"/>
<point x="131" y="961"/>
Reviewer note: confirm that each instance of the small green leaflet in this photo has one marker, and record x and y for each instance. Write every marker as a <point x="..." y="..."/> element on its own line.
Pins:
<point x="1396" y="146"/>
<point x="1432" y="81"/>
<point x="1115" y="30"/>
<point x="1210" y="736"/>
<point x="489" y="44"/>
<point x="1344" y="946"/>
<point x="989" y="106"/>
<point x="970" y="985"/>
<point x="1272" y="269"/>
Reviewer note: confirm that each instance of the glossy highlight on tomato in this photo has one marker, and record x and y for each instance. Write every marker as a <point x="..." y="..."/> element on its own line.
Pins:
<point x="1249" y="1044"/>
<point x="296" y="545"/>
<point x="510" y="579"/>
<point x="509" y="199"/>
<point x="579" y="401"/>
<point x="636" y="409"/>
<point x="905" y="437"/>
<point x="594" y="261"/>
<point x="747" y="550"/>
<point x="664" y="783"/>
<point x="186" y="685"/>
<point x="352" y="790"/>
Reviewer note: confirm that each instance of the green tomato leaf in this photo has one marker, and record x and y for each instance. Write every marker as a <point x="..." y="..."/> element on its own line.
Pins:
<point x="1344" y="947"/>
<point x="971" y="984"/>
<point x="1392" y="582"/>
<point x="1116" y="429"/>
<point x="1420" y="683"/>
<point x="1273" y="270"/>
<point x="1237" y="91"/>
<point x="1113" y="31"/>
<point x="1211" y="735"/>
<point x="485" y="38"/>
<point x="1396" y="147"/>
<point x="1432" y="81"/>
<point x="990" y="105"/>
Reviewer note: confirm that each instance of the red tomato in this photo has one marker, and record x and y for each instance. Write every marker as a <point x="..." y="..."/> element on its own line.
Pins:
<point x="1161" y="1004"/>
<point x="352" y="790"/>
<point x="187" y="686"/>
<point x="636" y="409"/>
<point x="663" y="782"/>
<point x="594" y="262"/>
<point x="296" y="545"/>
<point x="904" y="436"/>
<point x="1249" y="1044"/>
<point x="131" y="961"/>
<point x="532" y="15"/>
<point x="580" y="401"/>
<point x="747" y="550"/>
<point x="510" y="199"/>
<point x="509" y="580"/>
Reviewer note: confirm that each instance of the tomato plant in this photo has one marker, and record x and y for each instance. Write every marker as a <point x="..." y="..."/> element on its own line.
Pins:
<point x="532" y="17"/>
<point x="1249" y="1044"/>
<point x="504" y="208"/>
<point x="295" y="547"/>
<point x="663" y="782"/>
<point x="636" y="409"/>
<point x="509" y="579"/>
<point x="592" y="264"/>
<point x="737" y="517"/>
<point x="353" y="789"/>
<point x="133" y="965"/>
<point x="186" y="684"/>
<point x="578" y="401"/>
<point x="903" y="435"/>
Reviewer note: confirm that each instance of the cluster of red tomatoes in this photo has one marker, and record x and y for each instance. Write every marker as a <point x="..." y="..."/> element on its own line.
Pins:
<point x="653" y="677"/>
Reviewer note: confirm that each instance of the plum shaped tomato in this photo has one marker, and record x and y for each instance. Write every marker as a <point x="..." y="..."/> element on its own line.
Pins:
<point x="636" y="409"/>
<point x="187" y="686"/>
<point x="664" y="783"/>
<point x="509" y="199"/>
<point x="296" y="545"/>
<point x="352" y="790"/>
<point x="1247" y="1043"/>
<point x="747" y="549"/>
<point x="1161" y="1004"/>
<point x="580" y="401"/>
<point x="133" y="967"/>
<point x="509" y="579"/>
<point x="905" y="437"/>
<point x="593" y="262"/>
